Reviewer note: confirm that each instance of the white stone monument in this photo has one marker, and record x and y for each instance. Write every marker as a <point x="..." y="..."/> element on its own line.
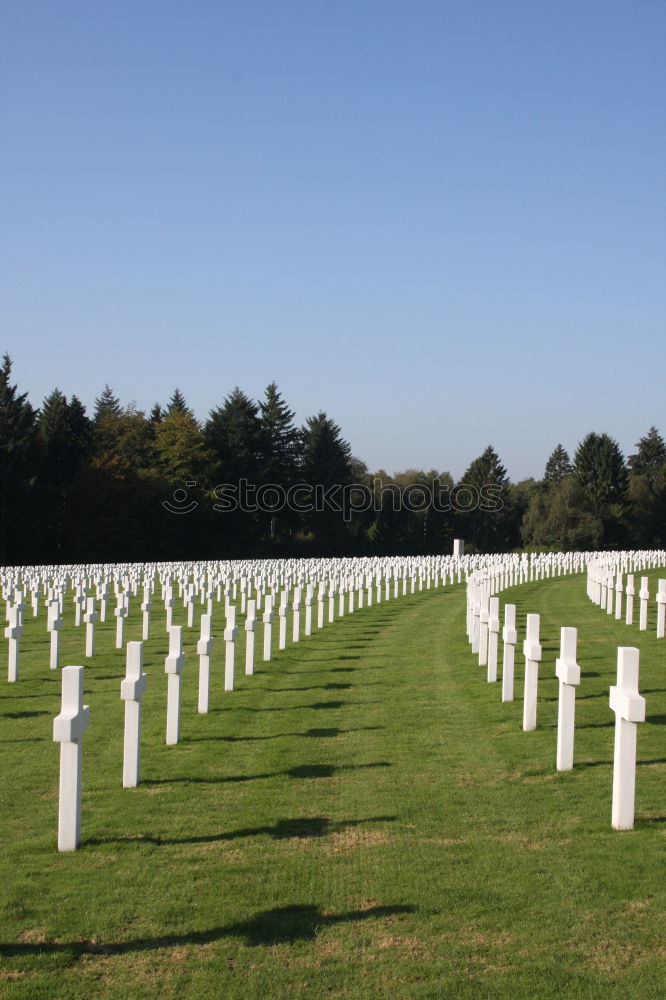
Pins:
<point x="267" y="619"/>
<point x="90" y="617"/>
<point x="131" y="692"/>
<point x="568" y="673"/>
<point x="661" y="609"/>
<point x="250" y="627"/>
<point x="493" y="638"/>
<point x="532" y="654"/>
<point x="629" y="708"/>
<point x="644" y="595"/>
<point x="68" y="730"/>
<point x="13" y="632"/>
<point x="205" y="649"/>
<point x="173" y="668"/>
<point x="230" y="633"/>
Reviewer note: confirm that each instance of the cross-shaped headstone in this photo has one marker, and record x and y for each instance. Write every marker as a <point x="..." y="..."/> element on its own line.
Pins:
<point x="90" y="618"/>
<point x="173" y="668"/>
<point x="204" y="649"/>
<point x="532" y="654"/>
<point x="131" y="692"/>
<point x="54" y="624"/>
<point x="661" y="609"/>
<point x="644" y="595"/>
<point x="493" y="637"/>
<point x="267" y="619"/>
<point x="13" y="632"/>
<point x="250" y="626"/>
<point x="509" y="639"/>
<point x="629" y="708"/>
<point x="230" y="633"/>
<point x="68" y="730"/>
<point x="568" y="673"/>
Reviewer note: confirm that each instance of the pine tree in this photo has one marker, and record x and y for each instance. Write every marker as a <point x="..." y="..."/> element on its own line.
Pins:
<point x="18" y="435"/>
<point x="484" y="503"/>
<point x="558" y="466"/>
<point x="106" y="405"/>
<point x="326" y="469"/>
<point x="650" y="456"/>
<point x="599" y="468"/>
<point x="281" y="439"/>
<point x="233" y="435"/>
<point x="177" y="404"/>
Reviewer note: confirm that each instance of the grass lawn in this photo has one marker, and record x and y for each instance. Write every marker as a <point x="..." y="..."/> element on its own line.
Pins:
<point x="363" y="818"/>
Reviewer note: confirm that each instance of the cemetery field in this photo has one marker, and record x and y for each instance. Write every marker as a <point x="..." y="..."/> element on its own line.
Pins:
<point x="362" y="818"/>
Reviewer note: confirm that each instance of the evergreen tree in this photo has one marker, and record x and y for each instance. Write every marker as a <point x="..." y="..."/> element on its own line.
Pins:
<point x="280" y="460"/>
<point x="558" y="466"/>
<point x="486" y="524"/>
<point x="600" y="470"/>
<point x="650" y="456"/>
<point x="233" y="435"/>
<point x="18" y="440"/>
<point x="326" y="469"/>
<point x="281" y="439"/>
<point x="106" y="405"/>
<point x="177" y="404"/>
<point x="156" y="414"/>
<point x="64" y="431"/>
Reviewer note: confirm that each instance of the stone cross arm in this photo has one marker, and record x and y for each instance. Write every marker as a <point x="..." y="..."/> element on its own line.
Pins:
<point x="74" y="717"/>
<point x="566" y="667"/>
<point x="625" y="700"/>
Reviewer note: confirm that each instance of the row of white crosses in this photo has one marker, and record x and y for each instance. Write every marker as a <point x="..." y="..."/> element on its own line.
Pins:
<point x="625" y="701"/>
<point x="606" y="587"/>
<point x="74" y="717"/>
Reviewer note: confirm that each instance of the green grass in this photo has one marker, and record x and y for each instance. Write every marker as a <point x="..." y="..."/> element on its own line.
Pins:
<point x="363" y="818"/>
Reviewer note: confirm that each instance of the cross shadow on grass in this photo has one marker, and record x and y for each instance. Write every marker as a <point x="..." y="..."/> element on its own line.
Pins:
<point x="299" y="828"/>
<point x="299" y="772"/>
<point x="312" y="734"/>
<point x="22" y="715"/>
<point x="281" y="925"/>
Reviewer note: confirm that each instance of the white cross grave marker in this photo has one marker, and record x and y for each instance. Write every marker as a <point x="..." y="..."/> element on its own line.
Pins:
<point x="644" y="595"/>
<point x="661" y="609"/>
<point x="230" y="633"/>
<point x="629" y="708"/>
<point x="250" y="627"/>
<point x="204" y="649"/>
<point x="68" y="730"/>
<point x="131" y="692"/>
<point x="90" y="618"/>
<point x="173" y="668"/>
<point x="509" y="638"/>
<point x="55" y="623"/>
<point x="13" y="632"/>
<point x="568" y="672"/>
<point x="267" y="619"/>
<point x="532" y="654"/>
<point x="493" y="637"/>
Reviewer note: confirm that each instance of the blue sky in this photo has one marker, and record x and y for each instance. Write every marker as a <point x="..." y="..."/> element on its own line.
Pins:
<point x="442" y="223"/>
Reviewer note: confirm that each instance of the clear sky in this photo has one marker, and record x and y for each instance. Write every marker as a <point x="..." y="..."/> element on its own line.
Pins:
<point x="441" y="222"/>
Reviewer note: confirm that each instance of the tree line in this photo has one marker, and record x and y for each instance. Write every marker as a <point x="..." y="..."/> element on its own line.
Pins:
<point x="125" y="485"/>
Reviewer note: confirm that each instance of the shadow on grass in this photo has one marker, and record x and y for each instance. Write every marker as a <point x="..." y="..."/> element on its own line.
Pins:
<point x="299" y="772"/>
<point x="311" y="734"/>
<point x="609" y="763"/>
<point x="313" y="687"/>
<point x="22" y="715"/>
<point x="293" y="708"/>
<point x="300" y="828"/>
<point x="282" y="925"/>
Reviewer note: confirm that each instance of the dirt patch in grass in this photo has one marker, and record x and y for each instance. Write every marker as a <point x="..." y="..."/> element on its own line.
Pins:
<point x="354" y="836"/>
